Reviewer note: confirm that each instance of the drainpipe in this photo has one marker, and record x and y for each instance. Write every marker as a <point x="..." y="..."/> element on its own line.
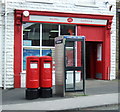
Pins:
<point x="5" y="2"/>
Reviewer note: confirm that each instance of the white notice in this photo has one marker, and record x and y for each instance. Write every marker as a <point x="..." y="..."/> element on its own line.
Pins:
<point x="99" y="52"/>
<point x="33" y="65"/>
<point x="46" y="65"/>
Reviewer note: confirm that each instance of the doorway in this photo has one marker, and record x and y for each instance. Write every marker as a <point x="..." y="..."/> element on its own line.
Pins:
<point x="94" y="60"/>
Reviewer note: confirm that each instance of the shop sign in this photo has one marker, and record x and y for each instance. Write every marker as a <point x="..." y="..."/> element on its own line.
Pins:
<point x="56" y="19"/>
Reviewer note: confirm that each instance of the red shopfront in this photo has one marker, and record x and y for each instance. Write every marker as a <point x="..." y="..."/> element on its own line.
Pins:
<point x="96" y="28"/>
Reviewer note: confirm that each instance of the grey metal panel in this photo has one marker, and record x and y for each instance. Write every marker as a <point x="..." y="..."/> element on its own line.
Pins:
<point x="59" y="67"/>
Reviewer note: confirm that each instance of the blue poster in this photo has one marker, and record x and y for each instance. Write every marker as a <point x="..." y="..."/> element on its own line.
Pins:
<point x="47" y="52"/>
<point x="33" y="52"/>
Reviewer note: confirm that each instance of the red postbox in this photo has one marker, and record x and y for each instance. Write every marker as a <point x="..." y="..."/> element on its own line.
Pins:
<point x="32" y="77"/>
<point x="45" y="76"/>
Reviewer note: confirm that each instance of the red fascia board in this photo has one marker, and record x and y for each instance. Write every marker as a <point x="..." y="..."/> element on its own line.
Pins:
<point x="64" y="14"/>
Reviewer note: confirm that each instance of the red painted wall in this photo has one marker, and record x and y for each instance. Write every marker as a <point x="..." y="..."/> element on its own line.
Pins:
<point x="93" y="33"/>
<point x="98" y="34"/>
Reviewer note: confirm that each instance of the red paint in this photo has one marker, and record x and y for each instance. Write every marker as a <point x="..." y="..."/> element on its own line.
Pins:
<point x="93" y="33"/>
<point x="79" y="54"/>
<point x="103" y="35"/>
<point x="25" y="19"/>
<point x="99" y="63"/>
<point x="61" y="14"/>
<point x="70" y="20"/>
<point x="83" y="29"/>
<point x="45" y="71"/>
<point x="106" y="55"/>
<point x="17" y="50"/>
<point x="32" y="72"/>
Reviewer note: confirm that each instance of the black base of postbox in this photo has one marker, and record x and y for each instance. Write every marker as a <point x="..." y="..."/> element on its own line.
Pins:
<point x="45" y="92"/>
<point x="32" y="93"/>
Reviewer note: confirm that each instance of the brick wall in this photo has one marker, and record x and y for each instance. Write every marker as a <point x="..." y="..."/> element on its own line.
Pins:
<point x="60" y="6"/>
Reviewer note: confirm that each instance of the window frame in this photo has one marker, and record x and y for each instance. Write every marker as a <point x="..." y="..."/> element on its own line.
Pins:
<point x="43" y="47"/>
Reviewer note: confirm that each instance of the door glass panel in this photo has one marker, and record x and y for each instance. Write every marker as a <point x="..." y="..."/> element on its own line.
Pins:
<point x="74" y="59"/>
<point x="73" y="53"/>
<point x="69" y="80"/>
<point x="74" y="80"/>
<point x="78" y="80"/>
<point x="69" y="53"/>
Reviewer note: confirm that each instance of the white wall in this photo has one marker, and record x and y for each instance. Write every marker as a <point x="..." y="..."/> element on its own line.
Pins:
<point x="98" y="7"/>
<point x="0" y="45"/>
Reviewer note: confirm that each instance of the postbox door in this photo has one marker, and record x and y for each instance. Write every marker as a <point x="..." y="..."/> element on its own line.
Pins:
<point x="32" y="76"/>
<point x="99" y="62"/>
<point x="46" y="73"/>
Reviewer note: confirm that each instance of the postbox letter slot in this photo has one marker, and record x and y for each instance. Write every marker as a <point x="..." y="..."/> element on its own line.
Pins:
<point x="33" y="61"/>
<point x="46" y="61"/>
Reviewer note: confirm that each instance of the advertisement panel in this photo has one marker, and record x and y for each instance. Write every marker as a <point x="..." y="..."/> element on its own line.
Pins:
<point x="34" y="52"/>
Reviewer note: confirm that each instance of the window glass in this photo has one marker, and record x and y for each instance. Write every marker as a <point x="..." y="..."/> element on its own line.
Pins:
<point x="29" y="52"/>
<point x="67" y="29"/>
<point x="49" y="32"/>
<point x="31" y="35"/>
<point x="38" y="39"/>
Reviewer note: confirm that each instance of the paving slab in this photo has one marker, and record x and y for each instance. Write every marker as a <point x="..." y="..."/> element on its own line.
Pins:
<point x="68" y="103"/>
<point x="98" y="93"/>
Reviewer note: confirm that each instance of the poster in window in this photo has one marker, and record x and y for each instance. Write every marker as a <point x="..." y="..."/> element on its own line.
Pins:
<point x="27" y="42"/>
<point x="34" y="52"/>
<point x="29" y="52"/>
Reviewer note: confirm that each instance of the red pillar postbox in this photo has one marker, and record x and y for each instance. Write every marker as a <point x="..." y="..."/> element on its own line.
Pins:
<point x="32" y="77"/>
<point x="45" y="76"/>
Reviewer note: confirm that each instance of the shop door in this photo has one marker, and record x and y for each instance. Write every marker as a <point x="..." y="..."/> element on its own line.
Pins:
<point x="99" y="62"/>
<point x="74" y="65"/>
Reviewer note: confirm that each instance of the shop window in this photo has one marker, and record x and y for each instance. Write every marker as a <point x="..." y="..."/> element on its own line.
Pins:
<point x="38" y="39"/>
<point x="31" y="35"/>
<point x="67" y="30"/>
<point x="49" y="32"/>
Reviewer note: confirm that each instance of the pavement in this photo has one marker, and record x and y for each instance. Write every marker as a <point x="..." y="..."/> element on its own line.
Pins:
<point x="98" y="93"/>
